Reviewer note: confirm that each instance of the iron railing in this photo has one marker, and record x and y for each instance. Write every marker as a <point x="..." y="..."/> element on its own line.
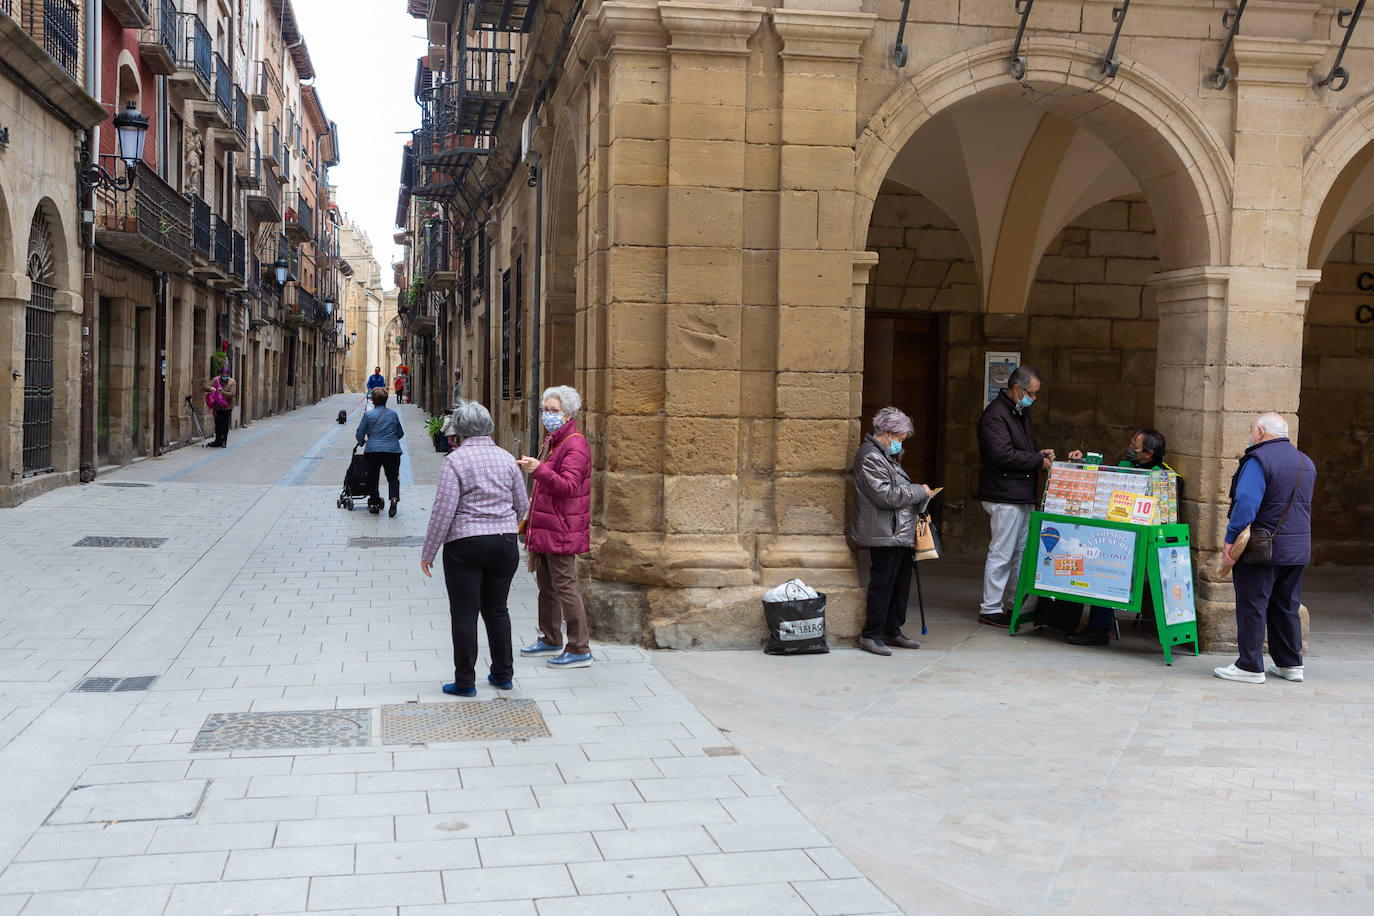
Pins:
<point x="434" y="248"/>
<point x="305" y="214"/>
<point x="193" y="51"/>
<point x="7" y="7"/>
<point x="202" y="229"/>
<point x="151" y="208"/>
<point x="224" y="88"/>
<point x="167" y="27"/>
<point x="59" y="22"/>
<point x="239" y="255"/>
<point x="270" y="188"/>
<point x="224" y="245"/>
<point x="240" y="113"/>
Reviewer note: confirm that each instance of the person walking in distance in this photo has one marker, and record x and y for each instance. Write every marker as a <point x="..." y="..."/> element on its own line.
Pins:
<point x="220" y="394"/>
<point x="400" y="384"/>
<point x="481" y="495"/>
<point x="382" y="432"/>
<point x="1006" y="484"/>
<point x="1271" y="492"/>
<point x="375" y="380"/>
<point x="457" y="387"/>
<point x="558" y="528"/>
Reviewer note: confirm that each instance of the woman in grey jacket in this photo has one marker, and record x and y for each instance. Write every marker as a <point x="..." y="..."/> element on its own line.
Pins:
<point x="885" y="508"/>
<point x="382" y="430"/>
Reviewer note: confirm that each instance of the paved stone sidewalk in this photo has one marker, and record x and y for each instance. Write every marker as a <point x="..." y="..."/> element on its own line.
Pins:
<point x="256" y="602"/>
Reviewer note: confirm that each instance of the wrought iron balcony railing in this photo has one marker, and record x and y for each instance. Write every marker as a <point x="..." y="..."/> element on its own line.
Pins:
<point x="158" y="42"/>
<point x="194" y="51"/>
<point x="224" y="88"/>
<point x="202" y="229"/>
<point x="57" y="23"/>
<point x="240" y="113"/>
<point x="224" y="245"/>
<point x="150" y="224"/>
<point x="240" y="255"/>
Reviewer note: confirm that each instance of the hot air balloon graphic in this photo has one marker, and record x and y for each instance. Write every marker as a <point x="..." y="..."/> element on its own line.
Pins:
<point x="1050" y="538"/>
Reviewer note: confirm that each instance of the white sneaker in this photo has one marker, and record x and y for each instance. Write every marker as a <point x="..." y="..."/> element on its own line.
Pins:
<point x="1232" y="673"/>
<point x="1288" y="674"/>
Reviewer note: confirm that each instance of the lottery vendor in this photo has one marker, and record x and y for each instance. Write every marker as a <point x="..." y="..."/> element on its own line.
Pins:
<point x="1146" y="452"/>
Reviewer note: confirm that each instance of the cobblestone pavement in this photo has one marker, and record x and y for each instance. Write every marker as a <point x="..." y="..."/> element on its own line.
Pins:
<point x="980" y="774"/>
<point x="257" y="603"/>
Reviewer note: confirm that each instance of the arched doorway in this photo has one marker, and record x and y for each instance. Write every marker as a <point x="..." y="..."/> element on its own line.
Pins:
<point x="40" y="319"/>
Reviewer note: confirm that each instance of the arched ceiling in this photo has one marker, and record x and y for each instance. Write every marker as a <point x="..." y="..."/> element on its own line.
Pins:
<point x="1011" y="178"/>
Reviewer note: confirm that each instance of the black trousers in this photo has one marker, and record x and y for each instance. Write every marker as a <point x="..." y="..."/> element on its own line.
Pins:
<point x="1267" y="600"/>
<point x="889" y="587"/>
<point x="477" y="573"/>
<point x="222" y="418"/>
<point x="376" y="461"/>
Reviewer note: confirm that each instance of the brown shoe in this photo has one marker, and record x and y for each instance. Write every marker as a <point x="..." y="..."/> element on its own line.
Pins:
<point x="1000" y="619"/>
<point x="874" y="646"/>
<point x="901" y="642"/>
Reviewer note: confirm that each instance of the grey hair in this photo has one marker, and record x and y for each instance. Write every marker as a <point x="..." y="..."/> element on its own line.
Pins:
<point x="1023" y="376"/>
<point x="472" y="419"/>
<point x="1273" y="424"/>
<point x="567" y="396"/>
<point x="892" y="420"/>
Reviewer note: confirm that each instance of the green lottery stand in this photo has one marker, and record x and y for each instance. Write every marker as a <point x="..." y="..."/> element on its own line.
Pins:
<point x="1079" y="556"/>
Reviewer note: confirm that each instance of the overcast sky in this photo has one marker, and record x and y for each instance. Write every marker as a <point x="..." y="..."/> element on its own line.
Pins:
<point x="364" y="53"/>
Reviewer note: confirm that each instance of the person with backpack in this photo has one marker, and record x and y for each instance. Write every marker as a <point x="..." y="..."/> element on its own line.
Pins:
<point x="382" y="432"/>
<point x="219" y="397"/>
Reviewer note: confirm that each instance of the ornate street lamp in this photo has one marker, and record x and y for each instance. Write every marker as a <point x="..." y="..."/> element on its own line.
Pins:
<point x="282" y="268"/>
<point x="131" y="129"/>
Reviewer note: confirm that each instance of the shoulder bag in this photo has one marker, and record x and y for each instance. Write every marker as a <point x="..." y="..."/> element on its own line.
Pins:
<point x="1259" y="549"/>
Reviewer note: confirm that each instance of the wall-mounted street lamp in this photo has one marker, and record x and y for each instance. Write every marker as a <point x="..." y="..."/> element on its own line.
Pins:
<point x="131" y="129"/>
<point x="282" y="268"/>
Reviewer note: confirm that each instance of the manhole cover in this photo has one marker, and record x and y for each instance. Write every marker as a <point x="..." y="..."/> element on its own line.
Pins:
<point x="124" y="483"/>
<point x="413" y="541"/>
<point x="115" y="684"/>
<point x="95" y="541"/>
<point x="133" y="801"/>
<point x="422" y="723"/>
<point x="238" y="731"/>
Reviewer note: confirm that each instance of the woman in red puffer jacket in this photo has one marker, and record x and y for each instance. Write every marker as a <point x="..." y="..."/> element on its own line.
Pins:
<point x="558" y="528"/>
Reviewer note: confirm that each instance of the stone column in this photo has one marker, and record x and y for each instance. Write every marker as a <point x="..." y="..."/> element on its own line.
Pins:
<point x="820" y="303"/>
<point x="1230" y="339"/>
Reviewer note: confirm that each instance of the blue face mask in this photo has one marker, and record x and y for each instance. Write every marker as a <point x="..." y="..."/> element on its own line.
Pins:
<point x="553" y="422"/>
<point x="1026" y="400"/>
<point x="894" y="448"/>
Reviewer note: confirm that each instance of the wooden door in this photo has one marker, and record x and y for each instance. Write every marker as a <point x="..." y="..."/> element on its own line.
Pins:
<point x="902" y="369"/>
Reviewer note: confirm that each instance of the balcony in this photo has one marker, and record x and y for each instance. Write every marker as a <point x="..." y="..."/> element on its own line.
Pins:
<point x="264" y="202"/>
<point x="217" y="111"/>
<point x="272" y="153"/>
<point x="224" y="246"/>
<point x="435" y="260"/>
<point x="202" y="230"/>
<point x="132" y="14"/>
<point x="194" y="76"/>
<point x="150" y="224"/>
<point x="265" y="87"/>
<point x="460" y="117"/>
<point x="300" y="221"/>
<point x="241" y="115"/>
<point x="56" y="24"/>
<point x="248" y="169"/>
<point x="504" y="15"/>
<point x="157" y="44"/>
<point x="238" y="269"/>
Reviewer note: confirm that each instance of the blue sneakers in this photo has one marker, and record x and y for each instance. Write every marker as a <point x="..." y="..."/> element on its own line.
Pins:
<point x="571" y="660"/>
<point x="500" y="685"/>
<point x="540" y="648"/>
<point x="454" y="690"/>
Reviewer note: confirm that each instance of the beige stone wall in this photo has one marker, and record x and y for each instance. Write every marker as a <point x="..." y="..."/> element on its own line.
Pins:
<point x="1337" y="428"/>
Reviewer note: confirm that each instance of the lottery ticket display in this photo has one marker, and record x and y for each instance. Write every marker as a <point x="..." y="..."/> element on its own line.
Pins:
<point x="1091" y="491"/>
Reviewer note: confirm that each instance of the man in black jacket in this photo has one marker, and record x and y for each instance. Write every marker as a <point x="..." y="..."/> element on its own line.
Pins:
<point x="1006" y="484"/>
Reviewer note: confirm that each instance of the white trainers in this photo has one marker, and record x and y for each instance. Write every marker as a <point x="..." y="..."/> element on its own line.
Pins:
<point x="1232" y="673"/>
<point x="1288" y="674"/>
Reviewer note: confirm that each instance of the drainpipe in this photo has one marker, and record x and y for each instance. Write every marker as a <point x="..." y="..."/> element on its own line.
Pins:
<point x="537" y="178"/>
<point x="95" y="11"/>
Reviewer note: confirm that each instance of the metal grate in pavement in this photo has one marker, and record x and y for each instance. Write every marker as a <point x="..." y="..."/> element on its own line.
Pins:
<point x="365" y="542"/>
<point x="241" y="731"/>
<point x="115" y="684"/>
<point x="98" y="541"/>
<point x="125" y="483"/>
<point x="488" y="720"/>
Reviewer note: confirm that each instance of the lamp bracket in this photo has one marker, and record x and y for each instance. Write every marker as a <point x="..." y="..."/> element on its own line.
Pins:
<point x="1339" y="77"/>
<point x="1016" y="64"/>
<point x="1110" y="63"/>
<point x="1230" y="21"/>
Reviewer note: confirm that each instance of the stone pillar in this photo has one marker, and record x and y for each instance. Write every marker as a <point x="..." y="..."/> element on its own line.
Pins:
<point x="1230" y="339"/>
<point x="820" y="305"/>
<point x="14" y="298"/>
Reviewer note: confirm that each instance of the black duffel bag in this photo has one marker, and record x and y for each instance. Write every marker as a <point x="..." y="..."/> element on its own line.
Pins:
<point x="796" y="626"/>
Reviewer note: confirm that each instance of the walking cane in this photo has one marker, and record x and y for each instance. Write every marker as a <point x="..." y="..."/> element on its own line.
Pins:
<point x="920" y="598"/>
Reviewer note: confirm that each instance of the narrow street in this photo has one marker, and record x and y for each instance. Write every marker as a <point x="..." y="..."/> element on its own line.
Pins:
<point x="979" y="775"/>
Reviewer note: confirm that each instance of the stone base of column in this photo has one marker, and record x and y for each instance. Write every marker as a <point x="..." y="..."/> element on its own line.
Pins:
<point x="1216" y="617"/>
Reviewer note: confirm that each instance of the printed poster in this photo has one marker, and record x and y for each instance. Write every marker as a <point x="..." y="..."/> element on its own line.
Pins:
<point x="1176" y="581"/>
<point x="997" y="370"/>
<point x="1082" y="561"/>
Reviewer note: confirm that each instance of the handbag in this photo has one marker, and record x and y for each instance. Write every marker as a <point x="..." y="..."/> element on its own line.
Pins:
<point x="928" y="544"/>
<point x="214" y="398"/>
<point x="1259" y="549"/>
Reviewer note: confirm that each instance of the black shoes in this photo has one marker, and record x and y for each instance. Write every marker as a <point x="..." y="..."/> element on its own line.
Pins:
<point x="901" y="642"/>
<point x="391" y="513"/>
<point x="1092" y="636"/>
<point x="1000" y="619"/>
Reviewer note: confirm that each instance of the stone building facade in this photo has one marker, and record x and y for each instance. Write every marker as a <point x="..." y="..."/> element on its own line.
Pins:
<point x="738" y="229"/>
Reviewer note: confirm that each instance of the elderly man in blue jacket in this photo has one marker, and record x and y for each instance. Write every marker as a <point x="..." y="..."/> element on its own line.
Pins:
<point x="1271" y="491"/>
<point x="375" y="380"/>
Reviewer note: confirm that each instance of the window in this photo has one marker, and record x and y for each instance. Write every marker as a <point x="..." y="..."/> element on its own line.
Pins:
<point x="518" y="382"/>
<point x="505" y="334"/>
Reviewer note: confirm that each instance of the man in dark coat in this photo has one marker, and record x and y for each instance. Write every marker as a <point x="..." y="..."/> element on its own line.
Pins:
<point x="1006" y="485"/>
<point x="1271" y="490"/>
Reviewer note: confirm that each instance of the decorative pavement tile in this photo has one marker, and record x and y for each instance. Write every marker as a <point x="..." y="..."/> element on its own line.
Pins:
<point x="226" y="731"/>
<point x="422" y="723"/>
